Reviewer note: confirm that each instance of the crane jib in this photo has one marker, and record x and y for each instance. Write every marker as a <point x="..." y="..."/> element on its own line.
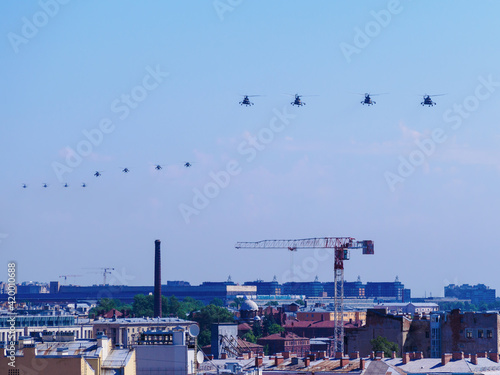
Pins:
<point x="341" y="246"/>
<point x="311" y="243"/>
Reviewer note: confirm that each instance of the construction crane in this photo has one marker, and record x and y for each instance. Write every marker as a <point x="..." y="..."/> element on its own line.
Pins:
<point x="66" y="277"/>
<point x="341" y="246"/>
<point x="105" y="271"/>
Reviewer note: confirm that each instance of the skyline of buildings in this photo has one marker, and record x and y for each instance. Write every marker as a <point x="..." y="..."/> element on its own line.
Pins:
<point x="476" y="294"/>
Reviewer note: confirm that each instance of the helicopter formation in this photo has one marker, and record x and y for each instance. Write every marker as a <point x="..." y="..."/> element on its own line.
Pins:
<point x="97" y="174"/>
<point x="297" y="101"/>
<point x="367" y="100"/>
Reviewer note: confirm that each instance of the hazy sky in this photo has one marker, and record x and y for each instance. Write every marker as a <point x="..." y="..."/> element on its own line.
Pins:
<point x="99" y="86"/>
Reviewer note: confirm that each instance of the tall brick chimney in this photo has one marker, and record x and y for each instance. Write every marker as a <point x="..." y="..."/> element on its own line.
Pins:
<point x="157" y="295"/>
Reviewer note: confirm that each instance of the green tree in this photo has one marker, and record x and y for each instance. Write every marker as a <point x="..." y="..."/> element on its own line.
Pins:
<point x="381" y="344"/>
<point x="258" y="329"/>
<point x="190" y="304"/>
<point x="143" y="305"/>
<point x="238" y="301"/>
<point x="217" y="302"/>
<point x="275" y="328"/>
<point x="175" y="307"/>
<point x="300" y="302"/>
<point x="204" y="338"/>
<point x="208" y="315"/>
<point x="250" y="337"/>
<point x="270" y="326"/>
<point x="106" y="304"/>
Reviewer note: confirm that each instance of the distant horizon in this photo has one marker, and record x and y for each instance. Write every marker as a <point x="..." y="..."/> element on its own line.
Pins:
<point x="237" y="283"/>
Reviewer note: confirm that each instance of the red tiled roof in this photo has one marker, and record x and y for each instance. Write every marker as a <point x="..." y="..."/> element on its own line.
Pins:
<point x="278" y="336"/>
<point x="243" y="344"/>
<point x="244" y="327"/>
<point x="112" y="313"/>
<point x="318" y="324"/>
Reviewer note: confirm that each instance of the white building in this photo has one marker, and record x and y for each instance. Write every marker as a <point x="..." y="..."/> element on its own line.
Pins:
<point x="425" y="308"/>
<point x="168" y="352"/>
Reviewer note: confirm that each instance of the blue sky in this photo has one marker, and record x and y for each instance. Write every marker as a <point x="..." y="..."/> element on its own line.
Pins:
<point x="333" y="168"/>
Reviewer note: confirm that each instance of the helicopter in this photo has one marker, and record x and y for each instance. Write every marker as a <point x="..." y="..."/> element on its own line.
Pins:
<point x="368" y="100"/>
<point x="297" y="101"/>
<point x="84" y="184"/>
<point x="158" y="167"/>
<point x="45" y="185"/>
<point x="24" y="186"/>
<point x="428" y="101"/>
<point x="247" y="101"/>
<point x="65" y="185"/>
<point x="97" y="174"/>
<point x="125" y="170"/>
<point x="188" y="164"/>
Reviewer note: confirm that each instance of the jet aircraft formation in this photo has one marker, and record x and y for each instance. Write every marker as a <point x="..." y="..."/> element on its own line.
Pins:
<point x="98" y="174"/>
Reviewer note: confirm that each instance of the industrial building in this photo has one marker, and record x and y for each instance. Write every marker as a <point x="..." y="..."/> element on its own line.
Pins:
<point x="395" y="290"/>
<point x="127" y="332"/>
<point x="266" y="288"/>
<point x="309" y="289"/>
<point x="46" y="326"/>
<point x="224" y="290"/>
<point x="477" y="294"/>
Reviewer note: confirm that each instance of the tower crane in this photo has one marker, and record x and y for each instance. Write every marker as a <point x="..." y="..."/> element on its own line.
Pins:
<point x="105" y="271"/>
<point x="341" y="247"/>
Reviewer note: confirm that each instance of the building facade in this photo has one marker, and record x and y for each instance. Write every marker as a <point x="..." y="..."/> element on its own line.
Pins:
<point x="466" y="332"/>
<point x="125" y="332"/>
<point x="166" y="352"/>
<point x="83" y="357"/>
<point x="286" y="342"/>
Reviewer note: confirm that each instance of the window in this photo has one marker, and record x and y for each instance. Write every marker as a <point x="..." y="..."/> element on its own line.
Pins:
<point x="489" y="333"/>
<point x="468" y="333"/>
<point x="480" y="333"/>
<point x="427" y="334"/>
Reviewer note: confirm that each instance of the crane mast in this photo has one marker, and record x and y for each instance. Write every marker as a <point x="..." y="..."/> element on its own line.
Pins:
<point x="341" y="247"/>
